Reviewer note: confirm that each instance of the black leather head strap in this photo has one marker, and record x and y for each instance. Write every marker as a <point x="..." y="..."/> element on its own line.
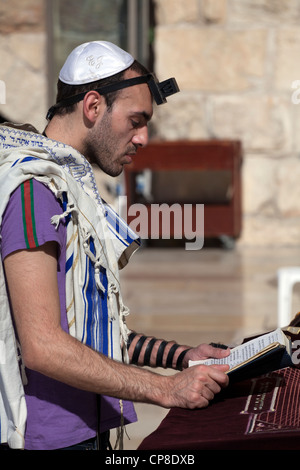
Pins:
<point x="159" y="90"/>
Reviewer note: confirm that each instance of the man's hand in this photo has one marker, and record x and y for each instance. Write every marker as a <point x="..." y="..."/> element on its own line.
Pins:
<point x="204" y="351"/>
<point x="196" y="386"/>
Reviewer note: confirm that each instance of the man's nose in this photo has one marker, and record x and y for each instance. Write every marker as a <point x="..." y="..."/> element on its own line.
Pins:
<point x="141" y="137"/>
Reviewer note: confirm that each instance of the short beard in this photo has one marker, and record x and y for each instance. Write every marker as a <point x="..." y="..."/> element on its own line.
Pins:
<point x="99" y="147"/>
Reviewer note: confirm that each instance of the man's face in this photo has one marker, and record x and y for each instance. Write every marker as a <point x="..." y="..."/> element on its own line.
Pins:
<point x="120" y="131"/>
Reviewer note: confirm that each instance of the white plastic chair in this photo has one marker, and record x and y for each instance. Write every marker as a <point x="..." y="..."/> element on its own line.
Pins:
<point x="287" y="277"/>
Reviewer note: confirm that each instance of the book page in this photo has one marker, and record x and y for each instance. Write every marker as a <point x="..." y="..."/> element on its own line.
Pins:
<point x="245" y="351"/>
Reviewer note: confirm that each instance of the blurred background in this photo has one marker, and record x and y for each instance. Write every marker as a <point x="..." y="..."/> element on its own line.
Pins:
<point x="237" y="119"/>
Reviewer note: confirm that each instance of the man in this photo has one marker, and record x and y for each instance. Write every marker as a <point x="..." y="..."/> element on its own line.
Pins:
<point x="62" y="249"/>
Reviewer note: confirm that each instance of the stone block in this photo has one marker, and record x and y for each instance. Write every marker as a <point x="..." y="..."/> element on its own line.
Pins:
<point x="259" y="185"/>
<point x="288" y="189"/>
<point x="287" y="59"/>
<point x="262" y="123"/>
<point x="211" y="60"/>
<point x="179" y="11"/>
<point x="184" y="117"/>
<point x="30" y="48"/>
<point x="268" y="12"/>
<point x="21" y="16"/>
<point x="261" y="231"/>
<point x="214" y="11"/>
<point x="295" y="112"/>
<point x="24" y="74"/>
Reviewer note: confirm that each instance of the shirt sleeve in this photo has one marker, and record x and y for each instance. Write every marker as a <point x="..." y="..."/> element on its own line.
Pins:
<point x="26" y="221"/>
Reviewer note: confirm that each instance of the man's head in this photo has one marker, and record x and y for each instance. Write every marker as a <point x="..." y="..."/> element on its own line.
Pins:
<point x="102" y="88"/>
<point x="92" y="66"/>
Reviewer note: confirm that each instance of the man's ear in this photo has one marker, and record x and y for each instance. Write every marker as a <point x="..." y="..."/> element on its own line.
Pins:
<point x="93" y="105"/>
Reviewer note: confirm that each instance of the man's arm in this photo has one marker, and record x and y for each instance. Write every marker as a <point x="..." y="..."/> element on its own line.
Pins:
<point x="150" y="351"/>
<point x="32" y="284"/>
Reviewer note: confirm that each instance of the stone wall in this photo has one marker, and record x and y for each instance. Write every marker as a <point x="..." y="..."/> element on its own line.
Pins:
<point x="23" y="61"/>
<point x="235" y="62"/>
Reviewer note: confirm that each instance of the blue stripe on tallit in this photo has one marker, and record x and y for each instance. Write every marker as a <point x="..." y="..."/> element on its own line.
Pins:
<point x="90" y="298"/>
<point x="65" y="206"/>
<point x="64" y="201"/>
<point x="85" y="295"/>
<point x="69" y="262"/>
<point x="96" y="321"/>
<point x="119" y="228"/>
<point x="111" y="340"/>
<point x="25" y="159"/>
<point x="105" y="323"/>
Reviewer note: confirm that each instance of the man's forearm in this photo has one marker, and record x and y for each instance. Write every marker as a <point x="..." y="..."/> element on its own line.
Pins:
<point x="63" y="358"/>
<point x="150" y="351"/>
<point x="71" y="362"/>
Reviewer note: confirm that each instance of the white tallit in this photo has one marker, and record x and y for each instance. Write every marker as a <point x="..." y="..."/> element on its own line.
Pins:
<point x="25" y="155"/>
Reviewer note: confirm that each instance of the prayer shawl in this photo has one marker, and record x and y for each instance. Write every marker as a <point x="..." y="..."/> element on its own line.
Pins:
<point x="98" y="244"/>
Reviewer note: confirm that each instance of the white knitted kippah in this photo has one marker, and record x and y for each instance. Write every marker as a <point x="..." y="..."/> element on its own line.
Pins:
<point x="93" y="61"/>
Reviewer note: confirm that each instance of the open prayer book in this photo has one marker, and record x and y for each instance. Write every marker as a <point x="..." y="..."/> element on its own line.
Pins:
<point x="255" y="357"/>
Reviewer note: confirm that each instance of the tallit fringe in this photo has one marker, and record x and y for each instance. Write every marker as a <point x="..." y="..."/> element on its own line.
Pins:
<point x="119" y="445"/>
<point x="55" y="220"/>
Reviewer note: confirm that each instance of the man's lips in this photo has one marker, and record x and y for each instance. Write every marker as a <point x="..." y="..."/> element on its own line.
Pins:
<point x="127" y="159"/>
<point x="129" y="156"/>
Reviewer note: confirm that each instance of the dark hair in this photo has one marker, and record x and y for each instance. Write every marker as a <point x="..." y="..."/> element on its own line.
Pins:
<point x="65" y="91"/>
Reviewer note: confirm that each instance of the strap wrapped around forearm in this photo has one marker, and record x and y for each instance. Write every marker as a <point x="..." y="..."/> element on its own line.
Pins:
<point x="153" y="352"/>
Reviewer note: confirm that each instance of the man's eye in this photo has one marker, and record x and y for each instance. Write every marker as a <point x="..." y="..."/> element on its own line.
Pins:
<point x="135" y="124"/>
